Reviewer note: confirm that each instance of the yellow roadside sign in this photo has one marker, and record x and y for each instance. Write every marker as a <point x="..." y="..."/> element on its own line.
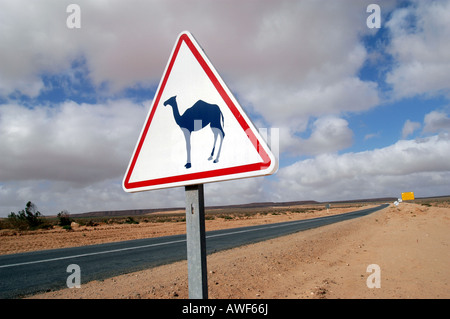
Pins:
<point x="408" y="196"/>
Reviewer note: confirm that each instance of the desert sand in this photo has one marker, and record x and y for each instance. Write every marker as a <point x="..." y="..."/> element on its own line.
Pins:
<point x="409" y="244"/>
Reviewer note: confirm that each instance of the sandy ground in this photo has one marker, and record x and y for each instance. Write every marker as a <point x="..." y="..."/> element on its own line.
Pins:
<point x="409" y="243"/>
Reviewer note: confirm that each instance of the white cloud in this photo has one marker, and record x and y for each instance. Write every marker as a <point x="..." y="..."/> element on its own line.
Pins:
<point x="55" y="196"/>
<point x="310" y="50"/>
<point x="329" y="134"/>
<point x="34" y="41"/>
<point x="77" y="143"/>
<point x="419" y="43"/>
<point x="436" y="121"/>
<point x="305" y="62"/>
<point x="419" y="165"/>
<point x="410" y="127"/>
<point x="287" y="61"/>
<point x="52" y="197"/>
<point x="242" y="191"/>
<point x="290" y="106"/>
<point x="371" y="135"/>
<point x="70" y="156"/>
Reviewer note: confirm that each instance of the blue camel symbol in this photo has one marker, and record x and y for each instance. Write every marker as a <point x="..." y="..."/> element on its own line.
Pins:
<point x="194" y="119"/>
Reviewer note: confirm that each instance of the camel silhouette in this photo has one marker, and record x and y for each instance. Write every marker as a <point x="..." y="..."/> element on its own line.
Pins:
<point x="194" y="119"/>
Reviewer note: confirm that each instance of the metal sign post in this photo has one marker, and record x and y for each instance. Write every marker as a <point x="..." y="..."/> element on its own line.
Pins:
<point x="196" y="242"/>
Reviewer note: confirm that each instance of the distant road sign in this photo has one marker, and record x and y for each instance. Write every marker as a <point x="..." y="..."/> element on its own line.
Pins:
<point x="196" y="131"/>
<point x="408" y="196"/>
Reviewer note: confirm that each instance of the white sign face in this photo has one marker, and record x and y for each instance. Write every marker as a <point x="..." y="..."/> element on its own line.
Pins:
<point x="196" y="132"/>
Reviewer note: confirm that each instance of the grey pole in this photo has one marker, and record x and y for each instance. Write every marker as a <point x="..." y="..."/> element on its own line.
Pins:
<point x="196" y="242"/>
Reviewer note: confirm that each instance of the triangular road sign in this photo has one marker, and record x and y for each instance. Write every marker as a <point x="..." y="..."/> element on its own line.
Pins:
<point x="195" y="132"/>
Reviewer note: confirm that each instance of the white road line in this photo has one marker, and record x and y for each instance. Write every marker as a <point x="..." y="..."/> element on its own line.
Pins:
<point x="131" y="248"/>
<point x="91" y="254"/>
<point x="255" y="229"/>
<point x="154" y="245"/>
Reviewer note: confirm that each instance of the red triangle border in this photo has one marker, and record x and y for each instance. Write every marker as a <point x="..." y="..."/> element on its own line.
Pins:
<point x="184" y="37"/>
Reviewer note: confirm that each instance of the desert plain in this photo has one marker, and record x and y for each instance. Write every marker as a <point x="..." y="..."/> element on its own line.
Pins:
<point x="409" y="244"/>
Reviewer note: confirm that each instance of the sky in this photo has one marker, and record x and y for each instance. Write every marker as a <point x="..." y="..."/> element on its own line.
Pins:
<point x="362" y="111"/>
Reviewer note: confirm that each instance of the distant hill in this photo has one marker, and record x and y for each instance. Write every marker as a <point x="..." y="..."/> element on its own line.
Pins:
<point x="366" y="200"/>
<point x="125" y="212"/>
<point x="136" y="212"/>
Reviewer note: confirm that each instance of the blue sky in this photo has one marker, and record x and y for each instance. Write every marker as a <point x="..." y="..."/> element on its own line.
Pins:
<point x="361" y="112"/>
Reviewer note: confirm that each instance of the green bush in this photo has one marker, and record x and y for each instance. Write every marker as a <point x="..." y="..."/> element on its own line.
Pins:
<point x="130" y="220"/>
<point x="64" y="219"/>
<point x="28" y="218"/>
<point x="91" y="223"/>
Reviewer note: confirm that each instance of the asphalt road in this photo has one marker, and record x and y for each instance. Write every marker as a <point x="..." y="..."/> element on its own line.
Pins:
<point x="28" y="273"/>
